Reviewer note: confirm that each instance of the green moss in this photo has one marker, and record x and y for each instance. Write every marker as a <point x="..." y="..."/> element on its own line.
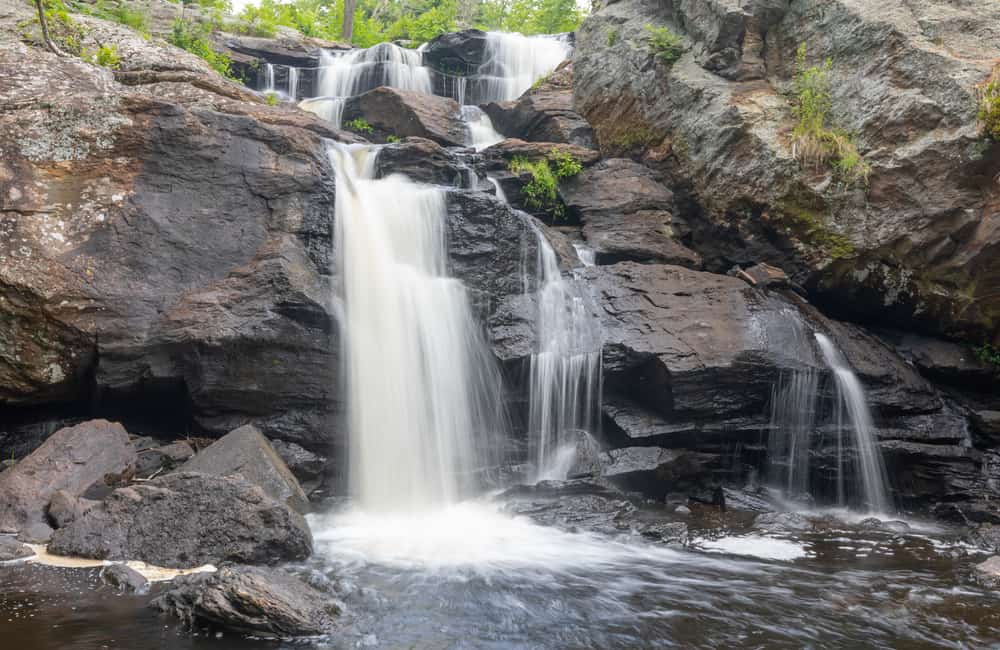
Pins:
<point x="667" y="46"/>
<point x="989" y="108"/>
<point x="542" y="191"/>
<point x="612" y="36"/>
<point x="815" y="142"/>
<point x="538" y="82"/>
<point x="987" y="353"/>
<point x="630" y="139"/>
<point x="359" y="125"/>
<point x="809" y="226"/>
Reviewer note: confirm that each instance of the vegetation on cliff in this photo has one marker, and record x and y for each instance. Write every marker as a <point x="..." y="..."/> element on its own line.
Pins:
<point x="542" y="191"/>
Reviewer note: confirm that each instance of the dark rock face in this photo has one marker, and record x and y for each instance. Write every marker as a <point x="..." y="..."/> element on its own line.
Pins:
<point x="250" y="53"/>
<point x="405" y="113"/>
<point x="168" y="240"/>
<point x="70" y="461"/>
<point x="627" y="214"/>
<point x="250" y="599"/>
<point x="188" y="519"/>
<point x="124" y="579"/>
<point x="918" y="243"/>
<point x="424" y="161"/>
<point x="457" y="53"/>
<point x="305" y="465"/>
<point x="655" y="471"/>
<point x="246" y="453"/>
<point x="545" y="113"/>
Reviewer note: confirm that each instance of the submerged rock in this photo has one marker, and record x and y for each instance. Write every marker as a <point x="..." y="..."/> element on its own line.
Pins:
<point x="187" y="519"/>
<point x="71" y="460"/>
<point x="250" y="599"/>
<point x="124" y="579"/>
<point x="245" y="452"/>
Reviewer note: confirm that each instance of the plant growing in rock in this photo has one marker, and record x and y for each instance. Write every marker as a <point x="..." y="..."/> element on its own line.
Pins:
<point x="612" y="36"/>
<point x="360" y="125"/>
<point x="272" y="99"/>
<point x="814" y="141"/>
<point x="987" y="353"/>
<point x="538" y="82"/>
<point x="107" y="57"/>
<point x="542" y="191"/>
<point x="989" y="107"/>
<point x="393" y="139"/>
<point x="667" y="46"/>
<point x="195" y="39"/>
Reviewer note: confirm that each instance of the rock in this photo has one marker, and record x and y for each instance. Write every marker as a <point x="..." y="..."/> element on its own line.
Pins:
<point x="247" y="453"/>
<point x="457" y="53"/>
<point x="188" y="519"/>
<point x="499" y="155"/>
<point x="125" y="579"/>
<point x="71" y="460"/>
<point x="249" y="54"/>
<point x="155" y="459"/>
<point x="193" y="280"/>
<point x="673" y="532"/>
<point x="986" y="536"/>
<point x="987" y="573"/>
<point x="915" y="243"/>
<point x="764" y="276"/>
<point x="250" y="599"/>
<point x="586" y="456"/>
<point x="11" y="550"/>
<point x="574" y="505"/>
<point x="305" y="465"/>
<point x="748" y="500"/>
<point x="405" y="113"/>
<point x="945" y="361"/>
<point x="782" y="522"/>
<point x="35" y="532"/>
<point x="986" y="427"/>
<point x="682" y="511"/>
<point x="64" y="508"/>
<point x="654" y="471"/>
<point x="544" y="113"/>
<point x="425" y="161"/>
<point x="7" y="463"/>
<point x="627" y="214"/>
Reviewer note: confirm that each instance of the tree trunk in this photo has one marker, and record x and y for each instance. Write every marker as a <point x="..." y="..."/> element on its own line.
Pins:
<point x="45" y="29"/>
<point x="348" y="31"/>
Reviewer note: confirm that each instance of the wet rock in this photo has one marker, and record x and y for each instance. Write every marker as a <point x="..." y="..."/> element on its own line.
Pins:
<point x="424" y="161"/>
<point x="988" y="573"/>
<point x="764" y="276"/>
<point x="155" y="459"/>
<point x="247" y="453"/>
<point x="544" y="113"/>
<point x="986" y="427"/>
<point x="125" y="579"/>
<point x="944" y="361"/>
<point x="654" y="471"/>
<point x="457" y="53"/>
<point x="587" y="456"/>
<point x="782" y="522"/>
<point x="673" y="532"/>
<point x="188" y="519"/>
<point x="249" y="54"/>
<point x="64" y="508"/>
<point x="305" y="465"/>
<point x="11" y="549"/>
<point x="499" y="155"/>
<point x="627" y="214"/>
<point x="250" y="599"/>
<point x="986" y="536"/>
<point x="574" y="505"/>
<point x="748" y="501"/>
<point x="406" y="113"/>
<point x="71" y="460"/>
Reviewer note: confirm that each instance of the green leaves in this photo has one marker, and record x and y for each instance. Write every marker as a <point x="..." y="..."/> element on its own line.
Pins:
<point x="542" y="191"/>
<point x="667" y="46"/>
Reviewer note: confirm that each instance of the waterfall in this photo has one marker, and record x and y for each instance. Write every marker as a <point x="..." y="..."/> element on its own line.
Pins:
<point x="293" y="83"/>
<point x="268" y="78"/>
<point x="481" y="131"/>
<point x="852" y="409"/>
<point x="565" y="376"/>
<point x="386" y="64"/>
<point x="514" y="62"/>
<point x="422" y="389"/>
<point x="793" y="419"/>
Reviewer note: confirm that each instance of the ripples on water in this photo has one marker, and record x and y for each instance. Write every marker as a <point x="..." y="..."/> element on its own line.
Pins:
<point x="472" y="577"/>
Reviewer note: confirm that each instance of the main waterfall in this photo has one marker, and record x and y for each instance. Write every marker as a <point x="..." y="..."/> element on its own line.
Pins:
<point x="422" y="389"/>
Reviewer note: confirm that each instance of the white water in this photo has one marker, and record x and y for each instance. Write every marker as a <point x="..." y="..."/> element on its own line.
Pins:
<point x="386" y="64"/>
<point x="514" y="62"/>
<point x="481" y="131"/>
<point x="422" y="390"/>
<point x="852" y="409"/>
<point x="293" y="83"/>
<point x="268" y="78"/>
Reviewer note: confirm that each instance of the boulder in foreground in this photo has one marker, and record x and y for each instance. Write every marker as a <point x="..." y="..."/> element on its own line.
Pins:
<point x="71" y="460"/>
<point x="254" y="599"/>
<point x="185" y="520"/>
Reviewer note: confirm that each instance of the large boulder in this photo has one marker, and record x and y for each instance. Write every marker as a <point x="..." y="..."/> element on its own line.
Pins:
<point x="247" y="453"/>
<point x="425" y="161"/>
<point x="185" y="520"/>
<point x="917" y="242"/>
<point x="165" y="240"/>
<point x="457" y="53"/>
<point x="405" y="113"/>
<point x="627" y="214"/>
<point x="69" y="462"/>
<point x="544" y="113"/>
<point x="258" y="600"/>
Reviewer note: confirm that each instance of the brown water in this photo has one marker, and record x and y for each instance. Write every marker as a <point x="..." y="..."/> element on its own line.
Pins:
<point x="536" y="587"/>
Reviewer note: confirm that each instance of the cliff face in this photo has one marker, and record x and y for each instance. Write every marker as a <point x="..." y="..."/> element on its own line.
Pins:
<point x="917" y="242"/>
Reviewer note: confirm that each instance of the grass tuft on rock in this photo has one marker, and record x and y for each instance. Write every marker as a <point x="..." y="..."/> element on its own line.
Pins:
<point x="542" y="191"/>
<point x="667" y="46"/>
<point x="359" y="125"/>
<point x="989" y="107"/>
<point x="815" y="142"/>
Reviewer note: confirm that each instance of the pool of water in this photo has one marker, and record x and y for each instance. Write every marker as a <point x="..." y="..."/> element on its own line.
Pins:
<point x="474" y="577"/>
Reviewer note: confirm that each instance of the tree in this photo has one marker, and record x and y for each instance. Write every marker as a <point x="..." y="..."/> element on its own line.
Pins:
<point x="348" y="31"/>
<point x="45" y="29"/>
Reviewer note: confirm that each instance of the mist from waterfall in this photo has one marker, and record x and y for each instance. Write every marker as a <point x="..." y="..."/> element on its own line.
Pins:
<point x="422" y="389"/>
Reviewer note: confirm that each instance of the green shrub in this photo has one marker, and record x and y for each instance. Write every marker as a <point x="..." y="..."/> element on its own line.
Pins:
<point x="65" y="31"/>
<point x="542" y="191"/>
<point x="107" y="57"/>
<point x="989" y="107"/>
<point x="612" y="37"/>
<point x="130" y="18"/>
<point x="393" y="138"/>
<point x="987" y="353"/>
<point x="360" y="125"/>
<point x="667" y="46"/>
<point x="195" y="39"/>
<point x="272" y="99"/>
<point x="815" y="142"/>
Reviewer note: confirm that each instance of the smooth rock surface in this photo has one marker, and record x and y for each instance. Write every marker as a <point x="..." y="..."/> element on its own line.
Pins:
<point x="405" y="113"/>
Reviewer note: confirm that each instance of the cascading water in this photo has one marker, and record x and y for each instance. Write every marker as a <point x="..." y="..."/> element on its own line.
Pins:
<point x="268" y="78"/>
<point x="514" y="62"/>
<point x="481" y="131"/>
<point x="852" y="409"/>
<point x="422" y="389"/>
<point x="293" y="83"/>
